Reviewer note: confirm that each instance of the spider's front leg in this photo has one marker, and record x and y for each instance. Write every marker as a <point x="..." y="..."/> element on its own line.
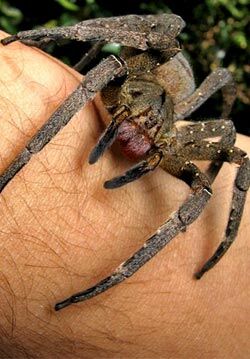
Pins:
<point x="141" y="32"/>
<point x="95" y="80"/>
<point x="177" y="222"/>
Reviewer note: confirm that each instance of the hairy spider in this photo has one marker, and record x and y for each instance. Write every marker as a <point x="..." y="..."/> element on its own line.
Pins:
<point x="147" y="90"/>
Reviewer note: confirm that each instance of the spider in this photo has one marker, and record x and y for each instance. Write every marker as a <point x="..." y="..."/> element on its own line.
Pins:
<point x="147" y="90"/>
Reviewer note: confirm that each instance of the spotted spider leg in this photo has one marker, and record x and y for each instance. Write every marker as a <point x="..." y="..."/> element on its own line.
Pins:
<point x="178" y="221"/>
<point x="220" y="79"/>
<point x="89" y="56"/>
<point x="191" y="146"/>
<point x="224" y="129"/>
<point x="95" y="80"/>
<point x="226" y="152"/>
<point x="141" y="32"/>
<point x="187" y="135"/>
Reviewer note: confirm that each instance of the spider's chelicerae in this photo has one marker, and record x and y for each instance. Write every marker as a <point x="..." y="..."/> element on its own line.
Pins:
<point x="147" y="90"/>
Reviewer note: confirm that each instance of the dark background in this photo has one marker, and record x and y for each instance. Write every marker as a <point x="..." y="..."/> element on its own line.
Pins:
<point x="215" y="35"/>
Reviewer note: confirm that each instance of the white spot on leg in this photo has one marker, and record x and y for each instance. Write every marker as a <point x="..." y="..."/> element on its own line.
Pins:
<point x="206" y="190"/>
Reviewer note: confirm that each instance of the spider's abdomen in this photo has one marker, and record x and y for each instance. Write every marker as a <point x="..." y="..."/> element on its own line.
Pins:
<point x="134" y="142"/>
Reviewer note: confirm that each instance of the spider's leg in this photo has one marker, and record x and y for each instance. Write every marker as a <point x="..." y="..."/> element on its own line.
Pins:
<point x="41" y="44"/>
<point x="197" y="131"/>
<point x="95" y="80"/>
<point x="190" y="134"/>
<point x="137" y="171"/>
<point x="215" y="152"/>
<point x="89" y="56"/>
<point x="220" y="79"/>
<point x="178" y="221"/>
<point x="141" y="32"/>
<point x="109" y="135"/>
<point x="241" y="186"/>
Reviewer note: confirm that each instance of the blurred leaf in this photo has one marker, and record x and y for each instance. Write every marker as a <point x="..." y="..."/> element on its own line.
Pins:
<point x="68" y="4"/>
<point x="240" y="39"/>
<point x="9" y="17"/>
<point x="112" y="48"/>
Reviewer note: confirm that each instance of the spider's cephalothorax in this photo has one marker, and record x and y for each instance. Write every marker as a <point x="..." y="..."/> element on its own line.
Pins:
<point x="141" y="107"/>
<point x="147" y="90"/>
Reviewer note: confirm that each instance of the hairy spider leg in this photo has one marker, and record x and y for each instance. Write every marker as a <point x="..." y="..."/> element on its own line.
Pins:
<point x="41" y="44"/>
<point x="214" y="151"/>
<point x="176" y="223"/>
<point x="224" y="129"/>
<point x="141" y="32"/>
<point x="89" y="56"/>
<point x="95" y="80"/>
<point x="220" y="79"/>
<point x="241" y="186"/>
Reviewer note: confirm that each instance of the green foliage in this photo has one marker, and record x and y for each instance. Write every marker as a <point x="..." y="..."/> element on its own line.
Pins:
<point x="10" y="17"/>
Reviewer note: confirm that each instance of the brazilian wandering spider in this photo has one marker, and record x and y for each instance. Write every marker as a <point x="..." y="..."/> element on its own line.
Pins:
<point x="147" y="90"/>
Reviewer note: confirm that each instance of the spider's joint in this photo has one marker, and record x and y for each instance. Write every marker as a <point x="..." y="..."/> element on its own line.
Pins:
<point x="207" y="191"/>
<point x="121" y="62"/>
<point x="157" y="232"/>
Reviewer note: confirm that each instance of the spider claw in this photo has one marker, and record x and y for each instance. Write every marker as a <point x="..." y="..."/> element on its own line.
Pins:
<point x="109" y="135"/>
<point x="135" y="172"/>
<point x="9" y="39"/>
<point x="199" y="274"/>
<point x="131" y="175"/>
<point x="104" y="142"/>
<point x="62" y="304"/>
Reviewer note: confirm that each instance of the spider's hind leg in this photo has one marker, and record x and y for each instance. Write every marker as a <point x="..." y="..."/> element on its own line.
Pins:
<point x="219" y="152"/>
<point x="198" y="131"/>
<point x="241" y="186"/>
<point x="220" y="79"/>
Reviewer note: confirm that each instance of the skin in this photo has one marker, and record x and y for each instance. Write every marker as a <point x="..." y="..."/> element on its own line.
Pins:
<point x="61" y="232"/>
